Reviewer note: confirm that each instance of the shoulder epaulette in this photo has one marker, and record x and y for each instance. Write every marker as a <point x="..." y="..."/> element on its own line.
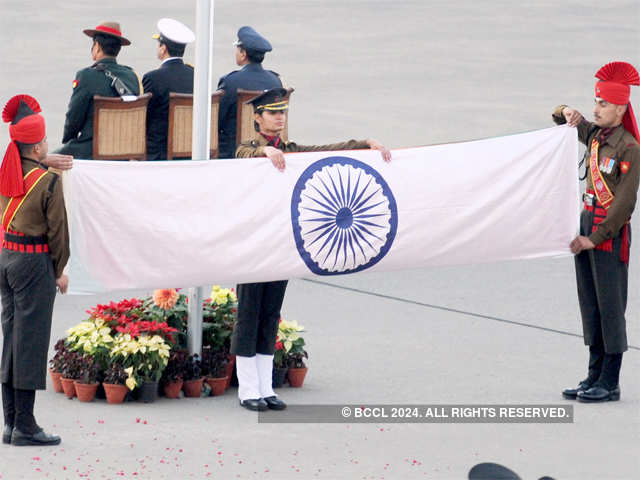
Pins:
<point x="53" y="181"/>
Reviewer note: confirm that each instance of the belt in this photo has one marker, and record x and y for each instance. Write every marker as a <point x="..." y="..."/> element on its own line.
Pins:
<point x="19" y="242"/>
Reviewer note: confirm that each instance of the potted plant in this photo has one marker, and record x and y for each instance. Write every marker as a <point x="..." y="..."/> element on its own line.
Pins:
<point x="192" y="376"/>
<point x="55" y="365"/>
<point x="71" y="370"/>
<point x="279" y="364"/>
<point x="172" y="376"/>
<point x="147" y="356"/>
<point x="288" y="342"/>
<point x="86" y="384"/>
<point x="168" y="307"/>
<point x="214" y="366"/>
<point x="297" y="367"/>
<point x="219" y="313"/>
<point x="295" y="353"/>
<point x="115" y="378"/>
<point x="92" y="337"/>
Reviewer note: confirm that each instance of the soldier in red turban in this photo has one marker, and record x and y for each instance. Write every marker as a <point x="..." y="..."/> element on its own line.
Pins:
<point x="602" y="248"/>
<point x="35" y="250"/>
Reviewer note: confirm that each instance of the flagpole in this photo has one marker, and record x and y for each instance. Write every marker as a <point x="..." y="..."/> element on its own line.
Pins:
<point x="201" y="140"/>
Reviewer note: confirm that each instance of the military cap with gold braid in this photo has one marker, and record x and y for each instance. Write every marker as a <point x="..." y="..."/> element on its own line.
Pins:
<point x="273" y="100"/>
<point x="174" y="33"/>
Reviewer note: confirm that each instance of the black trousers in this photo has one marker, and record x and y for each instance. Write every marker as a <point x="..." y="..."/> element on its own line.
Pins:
<point x="259" y="307"/>
<point x="602" y="281"/>
<point x="28" y="289"/>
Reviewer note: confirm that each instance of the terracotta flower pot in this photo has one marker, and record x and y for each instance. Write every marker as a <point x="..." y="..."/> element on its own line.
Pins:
<point x="218" y="385"/>
<point x="192" y="388"/>
<point x="68" y="387"/>
<point x="55" y="381"/>
<point x="296" y="376"/>
<point x="230" y="366"/>
<point x="278" y="376"/>
<point x="172" y="390"/>
<point x="85" y="391"/>
<point x="115" y="393"/>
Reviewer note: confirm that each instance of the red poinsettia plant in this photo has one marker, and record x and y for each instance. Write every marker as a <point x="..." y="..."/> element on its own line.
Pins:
<point x="121" y="313"/>
<point x="135" y="329"/>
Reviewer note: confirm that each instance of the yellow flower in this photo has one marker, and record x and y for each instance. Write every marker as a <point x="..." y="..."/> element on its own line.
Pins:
<point x="131" y="383"/>
<point x="222" y="296"/>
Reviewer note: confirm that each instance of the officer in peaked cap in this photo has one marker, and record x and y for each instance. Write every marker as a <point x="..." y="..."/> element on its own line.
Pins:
<point x="172" y="76"/>
<point x="250" y="50"/>
<point x="255" y="332"/>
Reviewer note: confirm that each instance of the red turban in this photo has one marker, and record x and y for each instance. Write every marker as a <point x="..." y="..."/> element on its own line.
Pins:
<point x="26" y="127"/>
<point x="615" y="78"/>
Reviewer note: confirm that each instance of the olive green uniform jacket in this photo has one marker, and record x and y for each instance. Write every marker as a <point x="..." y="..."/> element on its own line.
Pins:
<point x="78" y="126"/>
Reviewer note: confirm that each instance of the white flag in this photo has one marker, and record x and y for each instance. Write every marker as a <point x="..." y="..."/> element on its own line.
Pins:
<point x="187" y="223"/>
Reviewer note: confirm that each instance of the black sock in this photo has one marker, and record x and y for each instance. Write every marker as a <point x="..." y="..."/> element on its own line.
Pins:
<point x="8" y="404"/>
<point x="25" y="421"/>
<point x="610" y="376"/>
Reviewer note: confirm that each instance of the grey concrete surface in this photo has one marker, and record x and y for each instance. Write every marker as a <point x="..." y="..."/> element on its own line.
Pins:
<point x="407" y="73"/>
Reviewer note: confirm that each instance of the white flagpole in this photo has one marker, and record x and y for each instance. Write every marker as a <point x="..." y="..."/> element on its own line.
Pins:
<point x="201" y="140"/>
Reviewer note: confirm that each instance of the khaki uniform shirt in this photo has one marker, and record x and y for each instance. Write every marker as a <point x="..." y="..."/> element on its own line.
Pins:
<point x="620" y="146"/>
<point x="255" y="148"/>
<point x="43" y="213"/>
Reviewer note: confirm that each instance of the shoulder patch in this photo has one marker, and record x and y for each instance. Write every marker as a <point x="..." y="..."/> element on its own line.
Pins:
<point x="52" y="184"/>
<point x="74" y="84"/>
<point x="624" y="167"/>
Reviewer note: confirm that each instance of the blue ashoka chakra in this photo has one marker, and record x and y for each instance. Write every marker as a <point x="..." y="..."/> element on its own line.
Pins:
<point x="344" y="216"/>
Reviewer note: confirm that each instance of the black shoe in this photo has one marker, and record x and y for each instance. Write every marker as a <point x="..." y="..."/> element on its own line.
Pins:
<point x="598" y="394"/>
<point x="6" y="434"/>
<point x="572" y="393"/>
<point x="41" y="438"/>
<point x="274" y="403"/>
<point x="255" y="404"/>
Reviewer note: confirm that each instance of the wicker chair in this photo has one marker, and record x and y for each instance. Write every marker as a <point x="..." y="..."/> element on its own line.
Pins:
<point x="181" y="125"/>
<point x="120" y="128"/>
<point x="245" y="130"/>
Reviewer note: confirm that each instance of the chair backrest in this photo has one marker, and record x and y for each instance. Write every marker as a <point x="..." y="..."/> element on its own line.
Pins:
<point x="180" y="131"/>
<point x="245" y="130"/>
<point x="120" y="128"/>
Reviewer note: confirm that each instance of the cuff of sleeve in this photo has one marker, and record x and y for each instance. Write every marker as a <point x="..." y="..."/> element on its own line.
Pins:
<point x="597" y="237"/>
<point x="557" y="116"/>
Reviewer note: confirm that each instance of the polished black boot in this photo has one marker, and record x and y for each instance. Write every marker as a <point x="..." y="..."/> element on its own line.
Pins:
<point x="606" y="388"/>
<point x="596" y="357"/>
<point x="254" y="404"/>
<point x="9" y="409"/>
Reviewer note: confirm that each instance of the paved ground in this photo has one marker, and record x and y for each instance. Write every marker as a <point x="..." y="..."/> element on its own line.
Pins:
<point x="408" y="73"/>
